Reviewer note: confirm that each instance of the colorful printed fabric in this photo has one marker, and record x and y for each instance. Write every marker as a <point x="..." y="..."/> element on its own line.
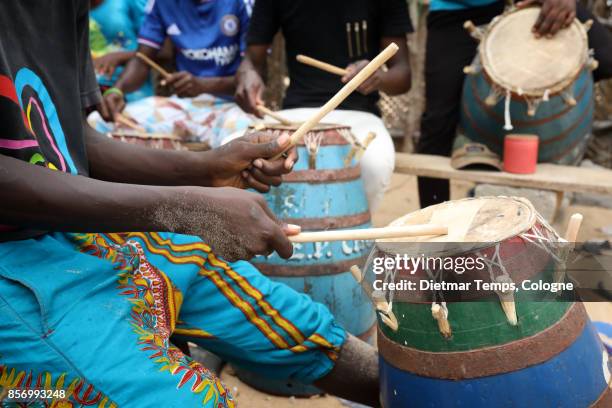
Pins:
<point x="206" y="118"/>
<point x="92" y="314"/>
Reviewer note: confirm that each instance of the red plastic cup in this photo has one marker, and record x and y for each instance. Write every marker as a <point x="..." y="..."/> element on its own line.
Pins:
<point x="521" y="154"/>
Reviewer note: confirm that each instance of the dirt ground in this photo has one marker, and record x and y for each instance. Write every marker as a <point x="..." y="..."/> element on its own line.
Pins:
<point x="400" y="199"/>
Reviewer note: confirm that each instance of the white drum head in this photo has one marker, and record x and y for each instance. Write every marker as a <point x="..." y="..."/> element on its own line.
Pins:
<point x="472" y="223"/>
<point x="516" y="60"/>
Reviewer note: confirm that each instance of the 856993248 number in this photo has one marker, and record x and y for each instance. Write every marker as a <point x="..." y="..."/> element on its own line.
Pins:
<point x="33" y="394"/>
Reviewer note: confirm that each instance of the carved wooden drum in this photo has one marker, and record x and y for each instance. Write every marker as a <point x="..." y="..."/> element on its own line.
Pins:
<point x="325" y="191"/>
<point x="488" y="347"/>
<point x="527" y="85"/>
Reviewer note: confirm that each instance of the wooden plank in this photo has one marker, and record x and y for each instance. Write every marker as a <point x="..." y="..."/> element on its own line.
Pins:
<point x="548" y="176"/>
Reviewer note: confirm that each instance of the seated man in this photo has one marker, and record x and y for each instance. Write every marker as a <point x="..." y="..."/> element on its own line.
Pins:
<point x="90" y="314"/>
<point x="342" y="33"/>
<point x="209" y="39"/>
<point x="450" y="48"/>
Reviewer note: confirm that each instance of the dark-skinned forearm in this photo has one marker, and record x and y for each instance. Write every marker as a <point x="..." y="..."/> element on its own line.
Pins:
<point x="38" y="198"/>
<point x="397" y="80"/>
<point x="136" y="71"/>
<point x="115" y="161"/>
<point x="256" y="58"/>
<point x="217" y="85"/>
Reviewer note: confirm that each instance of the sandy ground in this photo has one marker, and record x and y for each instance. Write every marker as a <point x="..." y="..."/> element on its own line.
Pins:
<point x="401" y="199"/>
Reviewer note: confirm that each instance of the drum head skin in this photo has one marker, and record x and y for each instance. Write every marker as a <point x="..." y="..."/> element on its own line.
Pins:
<point x="516" y="60"/>
<point x="472" y="223"/>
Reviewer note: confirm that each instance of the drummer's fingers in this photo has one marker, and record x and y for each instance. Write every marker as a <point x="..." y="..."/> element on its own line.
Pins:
<point x="548" y="19"/>
<point x="539" y="21"/>
<point x="265" y="178"/>
<point x="251" y="182"/>
<point x="557" y="24"/>
<point x="570" y="18"/>
<point x="526" y="3"/>
<point x="103" y="110"/>
<point x="253" y="98"/>
<point x="274" y="167"/>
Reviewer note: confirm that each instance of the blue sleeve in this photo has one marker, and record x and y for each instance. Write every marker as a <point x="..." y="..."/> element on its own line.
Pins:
<point x="243" y="15"/>
<point x="137" y="13"/>
<point x="153" y="31"/>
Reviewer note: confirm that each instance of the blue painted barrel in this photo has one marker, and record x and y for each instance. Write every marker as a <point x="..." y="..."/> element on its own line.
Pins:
<point x="321" y="194"/>
<point x="563" y="129"/>
<point x="577" y="377"/>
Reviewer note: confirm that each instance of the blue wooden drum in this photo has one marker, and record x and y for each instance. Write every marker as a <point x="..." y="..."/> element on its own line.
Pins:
<point x="520" y="84"/>
<point x="321" y="193"/>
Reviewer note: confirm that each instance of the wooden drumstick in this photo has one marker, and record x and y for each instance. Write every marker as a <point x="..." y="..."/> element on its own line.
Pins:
<point x="342" y="94"/>
<point x="370" y="233"/>
<point x="332" y="69"/>
<point x="274" y="115"/>
<point x="153" y="65"/>
<point x="124" y="120"/>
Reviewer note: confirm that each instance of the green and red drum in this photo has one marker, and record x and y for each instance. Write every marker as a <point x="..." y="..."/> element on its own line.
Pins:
<point x="489" y="348"/>
<point x="325" y="191"/>
<point x="521" y="84"/>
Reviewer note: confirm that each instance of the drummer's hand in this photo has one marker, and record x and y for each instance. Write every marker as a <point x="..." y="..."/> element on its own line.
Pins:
<point x="247" y="162"/>
<point x="554" y="15"/>
<point x="108" y="63"/>
<point x="185" y="84"/>
<point x="371" y="84"/>
<point x="249" y="91"/>
<point x="111" y="104"/>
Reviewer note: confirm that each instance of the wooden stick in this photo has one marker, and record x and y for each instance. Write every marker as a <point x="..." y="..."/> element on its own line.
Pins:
<point x="124" y="120"/>
<point x="153" y="65"/>
<point x="332" y="69"/>
<point x="342" y="94"/>
<point x="370" y="233"/>
<point x="274" y="115"/>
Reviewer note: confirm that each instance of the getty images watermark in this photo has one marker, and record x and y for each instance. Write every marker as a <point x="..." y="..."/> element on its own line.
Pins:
<point x="425" y="273"/>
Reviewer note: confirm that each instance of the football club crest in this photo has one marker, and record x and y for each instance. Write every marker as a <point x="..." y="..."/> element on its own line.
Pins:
<point x="230" y="25"/>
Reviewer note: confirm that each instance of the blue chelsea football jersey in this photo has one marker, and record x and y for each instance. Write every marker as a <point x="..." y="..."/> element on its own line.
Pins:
<point x="209" y="35"/>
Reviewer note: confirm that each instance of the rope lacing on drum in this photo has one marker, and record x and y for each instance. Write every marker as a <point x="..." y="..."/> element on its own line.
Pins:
<point x="439" y="311"/>
<point x="506" y="297"/>
<point x="312" y="140"/>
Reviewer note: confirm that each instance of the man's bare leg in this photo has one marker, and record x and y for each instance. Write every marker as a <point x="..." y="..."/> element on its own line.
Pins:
<point x="355" y="375"/>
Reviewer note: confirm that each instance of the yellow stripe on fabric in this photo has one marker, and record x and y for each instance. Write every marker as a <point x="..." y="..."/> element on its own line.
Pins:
<point x="284" y="323"/>
<point x="194" y="333"/>
<point x="201" y="246"/>
<point x="230" y="293"/>
<point x="193" y="259"/>
<point x="247" y="309"/>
